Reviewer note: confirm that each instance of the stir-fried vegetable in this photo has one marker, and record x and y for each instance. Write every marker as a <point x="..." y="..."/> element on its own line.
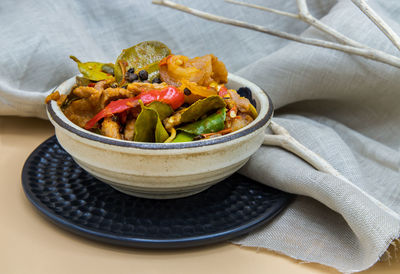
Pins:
<point x="151" y="95"/>
<point x="171" y="96"/>
<point x="210" y="124"/>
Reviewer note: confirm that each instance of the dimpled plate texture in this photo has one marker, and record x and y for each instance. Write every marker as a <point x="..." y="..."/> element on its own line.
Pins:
<point x="73" y="199"/>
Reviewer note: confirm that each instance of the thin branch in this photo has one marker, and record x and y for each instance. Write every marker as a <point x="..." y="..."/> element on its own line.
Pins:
<point x="284" y="13"/>
<point x="305" y="16"/>
<point x="372" y="54"/>
<point x="303" y="8"/>
<point x="378" y="21"/>
<point x="286" y="141"/>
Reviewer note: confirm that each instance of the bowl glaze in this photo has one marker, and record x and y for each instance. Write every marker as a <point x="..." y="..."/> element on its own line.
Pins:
<point x="162" y="170"/>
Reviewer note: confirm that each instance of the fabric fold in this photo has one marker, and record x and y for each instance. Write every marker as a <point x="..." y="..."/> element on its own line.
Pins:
<point x="341" y="106"/>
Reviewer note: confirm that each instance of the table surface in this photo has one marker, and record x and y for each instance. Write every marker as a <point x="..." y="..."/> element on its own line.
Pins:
<point x="31" y="244"/>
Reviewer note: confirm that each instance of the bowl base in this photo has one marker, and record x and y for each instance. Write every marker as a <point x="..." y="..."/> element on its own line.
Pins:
<point x="150" y="195"/>
<point x="154" y="188"/>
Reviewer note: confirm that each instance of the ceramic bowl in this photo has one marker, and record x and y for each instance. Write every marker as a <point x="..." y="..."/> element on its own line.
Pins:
<point x="162" y="170"/>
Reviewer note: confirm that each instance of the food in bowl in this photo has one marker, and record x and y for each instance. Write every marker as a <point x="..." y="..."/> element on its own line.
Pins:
<point x="151" y="169"/>
<point x="151" y="95"/>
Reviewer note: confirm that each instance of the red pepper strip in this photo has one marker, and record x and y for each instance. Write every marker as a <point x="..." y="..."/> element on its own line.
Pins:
<point x="223" y="91"/>
<point x="112" y="108"/>
<point x="170" y="95"/>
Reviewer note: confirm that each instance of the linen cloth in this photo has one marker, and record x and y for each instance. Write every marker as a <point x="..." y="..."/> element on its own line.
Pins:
<point x="343" y="107"/>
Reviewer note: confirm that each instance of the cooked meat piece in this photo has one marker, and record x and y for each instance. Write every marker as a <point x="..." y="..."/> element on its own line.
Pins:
<point x="111" y="94"/>
<point x="110" y="128"/>
<point x="138" y="87"/>
<point x="242" y="103"/>
<point x="174" y="120"/>
<point x="241" y="120"/>
<point x="129" y="129"/>
<point x="101" y="85"/>
<point x="92" y="95"/>
<point x="80" y="111"/>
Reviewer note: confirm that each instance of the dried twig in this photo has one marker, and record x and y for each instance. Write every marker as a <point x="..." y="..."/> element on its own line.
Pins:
<point x="305" y="16"/>
<point x="284" y="13"/>
<point x="283" y="139"/>
<point x="378" y="21"/>
<point x="366" y="52"/>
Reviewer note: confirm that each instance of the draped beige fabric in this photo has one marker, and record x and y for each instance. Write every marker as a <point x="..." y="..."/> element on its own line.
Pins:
<point x="343" y="107"/>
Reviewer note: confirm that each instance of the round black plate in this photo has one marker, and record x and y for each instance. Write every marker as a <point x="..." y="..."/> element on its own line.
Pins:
<point x="73" y="199"/>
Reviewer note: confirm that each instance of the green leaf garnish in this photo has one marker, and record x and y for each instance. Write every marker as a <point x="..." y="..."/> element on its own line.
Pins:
<point x="143" y="56"/>
<point x="92" y="70"/>
<point x="148" y="126"/>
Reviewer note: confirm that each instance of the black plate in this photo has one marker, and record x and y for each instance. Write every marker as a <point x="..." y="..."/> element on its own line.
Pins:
<point x="73" y="199"/>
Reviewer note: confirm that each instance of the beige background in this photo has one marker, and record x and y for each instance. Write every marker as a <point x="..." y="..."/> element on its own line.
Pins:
<point x="30" y="244"/>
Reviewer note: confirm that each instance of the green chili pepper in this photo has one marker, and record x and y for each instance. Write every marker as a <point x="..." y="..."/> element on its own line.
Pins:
<point x="212" y="123"/>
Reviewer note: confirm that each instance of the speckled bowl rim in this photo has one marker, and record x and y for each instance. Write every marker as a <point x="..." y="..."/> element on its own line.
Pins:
<point x="162" y="146"/>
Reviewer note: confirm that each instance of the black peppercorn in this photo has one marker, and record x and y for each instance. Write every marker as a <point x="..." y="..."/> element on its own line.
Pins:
<point x="156" y="80"/>
<point x="130" y="77"/>
<point x="143" y="75"/>
<point x="187" y="91"/>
